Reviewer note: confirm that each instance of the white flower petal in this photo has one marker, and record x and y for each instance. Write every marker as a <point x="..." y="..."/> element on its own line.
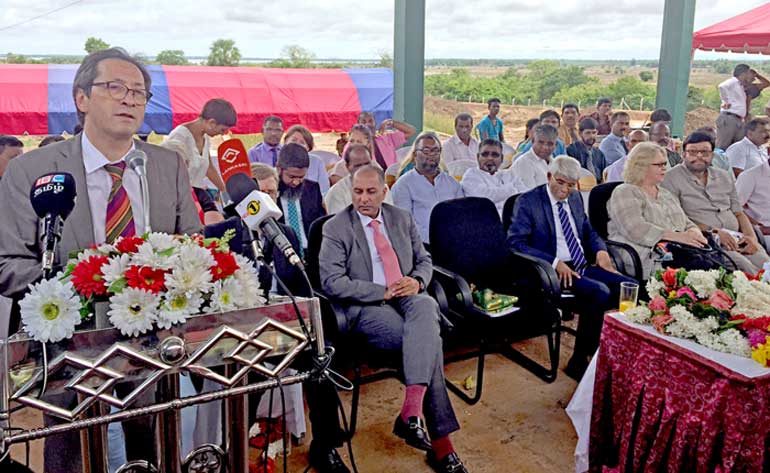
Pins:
<point x="51" y="311"/>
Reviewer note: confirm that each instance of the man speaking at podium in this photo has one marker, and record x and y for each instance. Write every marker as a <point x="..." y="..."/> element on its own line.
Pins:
<point x="111" y="90"/>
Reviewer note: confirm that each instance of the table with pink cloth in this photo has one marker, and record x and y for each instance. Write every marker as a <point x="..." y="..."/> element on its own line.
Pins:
<point x="657" y="403"/>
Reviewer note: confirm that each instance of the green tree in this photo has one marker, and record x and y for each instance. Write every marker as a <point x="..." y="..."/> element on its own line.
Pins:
<point x="11" y="58"/>
<point x="224" y="53"/>
<point x="297" y="56"/>
<point x="646" y="76"/>
<point x="171" y="57"/>
<point x="386" y="60"/>
<point x="95" y="44"/>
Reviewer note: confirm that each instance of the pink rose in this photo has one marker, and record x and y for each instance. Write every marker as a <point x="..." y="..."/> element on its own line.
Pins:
<point x="686" y="290"/>
<point x="657" y="304"/>
<point x="720" y="300"/>
<point x="660" y="321"/>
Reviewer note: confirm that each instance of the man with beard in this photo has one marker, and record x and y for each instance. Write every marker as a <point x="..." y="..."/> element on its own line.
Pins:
<point x="614" y="145"/>
<point x="462" y="145"/>
<point x="387" y="142"/>
<point x="660" y="133"/>
<point x="299" y="198"/>
<point x="420" y="189"/>
<point x="487" y="180"/>
<point x="583" y="149"/>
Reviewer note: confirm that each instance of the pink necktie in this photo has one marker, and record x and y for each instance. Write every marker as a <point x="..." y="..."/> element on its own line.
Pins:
<point x="387" y="254"/>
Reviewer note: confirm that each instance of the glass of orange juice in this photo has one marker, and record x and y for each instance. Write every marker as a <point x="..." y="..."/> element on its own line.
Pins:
<point x="628" y="293"/>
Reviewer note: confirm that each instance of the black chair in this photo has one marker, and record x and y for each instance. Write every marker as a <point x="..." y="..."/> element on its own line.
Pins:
<point x="624" y="256"/>
<point x="510" y="202"/>
<point x="468" y="247"/>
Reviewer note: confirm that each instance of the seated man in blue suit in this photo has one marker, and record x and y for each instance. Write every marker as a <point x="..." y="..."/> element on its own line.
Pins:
<point x="549" y="222"/>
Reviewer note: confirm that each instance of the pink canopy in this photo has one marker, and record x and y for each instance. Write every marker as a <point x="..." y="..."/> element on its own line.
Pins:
<point x="748" y="32"/>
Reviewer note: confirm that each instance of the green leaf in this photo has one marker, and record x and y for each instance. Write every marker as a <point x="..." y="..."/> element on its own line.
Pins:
<point x="167" y="252"/>
<point x="118" y="285"/>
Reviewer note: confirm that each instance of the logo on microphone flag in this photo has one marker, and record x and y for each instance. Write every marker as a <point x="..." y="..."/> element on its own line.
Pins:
<point x="233" y="159"/>
<point x="230" y="156"/>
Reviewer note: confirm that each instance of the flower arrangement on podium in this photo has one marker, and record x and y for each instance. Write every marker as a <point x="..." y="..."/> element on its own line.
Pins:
<point x="156" y="280"/>
<point x="725" y="311"/>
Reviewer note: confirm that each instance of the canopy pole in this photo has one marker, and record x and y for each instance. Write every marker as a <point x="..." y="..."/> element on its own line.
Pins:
<point x="409" y="61"/>
<point x="675" y="61"/>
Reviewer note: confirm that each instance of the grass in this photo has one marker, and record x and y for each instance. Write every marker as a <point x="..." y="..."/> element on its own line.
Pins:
<point x="438" y="122"/>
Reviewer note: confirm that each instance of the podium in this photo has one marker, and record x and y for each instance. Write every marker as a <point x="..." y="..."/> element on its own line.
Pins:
<point x="78" y="379"/>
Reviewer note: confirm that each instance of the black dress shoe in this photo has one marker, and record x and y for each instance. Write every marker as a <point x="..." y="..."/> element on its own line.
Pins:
<point x="326" y="461"/>
<point x="413" y="432"/>
<point x="449" y="464"/>
<point x="576" y="367"/>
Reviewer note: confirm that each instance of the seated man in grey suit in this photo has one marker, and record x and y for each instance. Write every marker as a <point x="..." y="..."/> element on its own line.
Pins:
<point x="373" y="259"/>
<point x="111" y="90"/>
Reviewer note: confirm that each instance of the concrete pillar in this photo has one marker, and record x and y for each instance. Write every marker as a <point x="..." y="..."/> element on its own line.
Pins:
<point x="409" y="61"/>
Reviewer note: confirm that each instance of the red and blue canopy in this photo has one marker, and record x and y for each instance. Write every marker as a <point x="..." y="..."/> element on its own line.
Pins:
<point x="37" y="98"/>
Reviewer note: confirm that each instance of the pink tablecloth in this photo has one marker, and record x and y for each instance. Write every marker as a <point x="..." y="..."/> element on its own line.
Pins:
<point x="660" y="407"/>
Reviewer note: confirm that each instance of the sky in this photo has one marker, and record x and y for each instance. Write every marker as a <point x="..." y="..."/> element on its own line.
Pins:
<point x="354" y="29"/>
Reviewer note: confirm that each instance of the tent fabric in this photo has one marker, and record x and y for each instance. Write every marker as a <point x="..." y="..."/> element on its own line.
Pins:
<point x="37" y="99"/>
<point x="748" y="32"/>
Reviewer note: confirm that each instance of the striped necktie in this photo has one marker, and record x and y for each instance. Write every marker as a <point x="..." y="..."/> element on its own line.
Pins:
<point x="120" y="218"/>
<point x="295" y="222"/>
<point x="578" y="259"/>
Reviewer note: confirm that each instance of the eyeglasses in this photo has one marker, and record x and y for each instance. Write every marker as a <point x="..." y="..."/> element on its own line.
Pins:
<point x="660" y="165"/>
<point x="486" y="154"/>
<point x="434" y="150"/>
<point x="119" y="91"/>
<point x="698" y="152"/>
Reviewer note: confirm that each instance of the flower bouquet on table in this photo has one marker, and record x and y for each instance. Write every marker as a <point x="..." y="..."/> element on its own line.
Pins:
<point x="725" y="311"/>
<point x="153" y="280"/>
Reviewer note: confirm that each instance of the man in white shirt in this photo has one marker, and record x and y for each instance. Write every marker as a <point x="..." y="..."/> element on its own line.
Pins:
<point x="734" y="108"/>
<point x="754" y="196"/>
<point x="614" y="171"/>
<point x="461" y="145"/>
<point x="532" y="166"/>
<point x="750" y="151"/>
<point x="340" y="194"/>
<point x="488" y="180"/>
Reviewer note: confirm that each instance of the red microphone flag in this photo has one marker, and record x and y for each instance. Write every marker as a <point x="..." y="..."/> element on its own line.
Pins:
<point x="233" y="159"/>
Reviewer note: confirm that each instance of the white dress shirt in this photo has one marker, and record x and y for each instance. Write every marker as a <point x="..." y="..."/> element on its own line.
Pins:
<point x="99" y="184"/>
<point x="731" y="92"/>
<point x="340" y="195"/>
<point x="530" y="169"/>
<point x="753" y="188"/>
<point x="378" y="270"/>
<point x="614" y="171"/>
<point x="454" y="149"/>
<point x="562" y="250"/>
<point x="496" y="187"/>
<point x="745" y="154"/>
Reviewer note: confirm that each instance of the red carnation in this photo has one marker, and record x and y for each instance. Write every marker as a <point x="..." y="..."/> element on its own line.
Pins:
<point x="87" y="277"/>
<point x="225" y="266"/>
<point x="129" y="244"/>
<point x="144" y="277"/>
<point x="669" y="278"/>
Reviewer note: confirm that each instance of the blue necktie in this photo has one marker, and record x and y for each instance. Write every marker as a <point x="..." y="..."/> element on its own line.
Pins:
<point x="294" y="221"/>
<point x="274" y="152"/>
<point x="578" y="259"/>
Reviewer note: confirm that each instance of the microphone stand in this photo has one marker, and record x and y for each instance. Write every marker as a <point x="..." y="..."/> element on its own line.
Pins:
<point x="145" y="201"/>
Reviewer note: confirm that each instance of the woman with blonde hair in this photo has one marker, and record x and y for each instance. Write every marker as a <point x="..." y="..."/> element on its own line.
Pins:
<point x="642" y="213"/>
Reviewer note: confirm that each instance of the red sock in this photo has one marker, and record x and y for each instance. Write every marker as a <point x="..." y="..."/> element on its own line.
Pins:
<point x="412" y="407"/>
<point x="442" y="447"/>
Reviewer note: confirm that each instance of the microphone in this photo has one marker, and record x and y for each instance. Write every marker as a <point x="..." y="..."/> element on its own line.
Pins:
<point x="53" y="198"/>
<point x="258" y="212"/>
<point x="233" y="160"/>
<point x="136" y="160"/>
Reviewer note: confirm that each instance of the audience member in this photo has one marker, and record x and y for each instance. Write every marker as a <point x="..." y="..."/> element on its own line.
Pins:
<point x="532" y="166"/>
<point x="549" y="117"/>
<point x="614" y="172"/>
<point x="373" y="258"/>
<point x="10" y="147"/>
<point x="550" y="223"/>
<point x="461" y="145"/>
<point x="490" y="126"/>
<point x="317" y="171"/>
<point x="420" y="189"/>
<point x="614" y="145"/>
<point x="267" y="151"/>
<point x="266" y="178"/>
<point x="719" y="160"/>
<point x="341" y="142"/>
<point x="299" y="198"/>
<point x="733" y="110"/>
<point x="660" y="133"/>
<point x="568" y="131"/>
<point x="50" y="139"/>
<point x="338" y="197"/>
<point x="642" y="213"/>
<point x="751" y="150"/>
<point x="361" y="135"/>
<point x="582" y="149"/>
<point x="602" y="116"/>
<point x="708" y="197"/>
<point x="487" y="180"/>
<point x="391" y="135"/>
<point x="754" y="196"/>
<point x="660" y="115"/>
<point x="529" y="132"/>
<point x="207" y="208"/>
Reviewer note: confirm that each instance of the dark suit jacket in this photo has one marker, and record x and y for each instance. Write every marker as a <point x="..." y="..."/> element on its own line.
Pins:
<point x="345" y="264"/>
<point x="533" y="230"/>
<point x="311" y="203"/>
<point x="583" y="154"/>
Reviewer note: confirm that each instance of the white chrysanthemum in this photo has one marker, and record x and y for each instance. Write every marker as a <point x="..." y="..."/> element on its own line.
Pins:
<point x="133" y="311"/>
<point x="654" y="287"/>
<point x="639" y="314"/>
<point x="147" y="255"/>
<point x="766" y="274"/>
<point x="194" y="279"/>
<point x="249" y="291"/>
<point x="177" y="306"/>
<point x="51" y="311"/>
<point x="735" y="342"/>
<point x="193" y="256"/>
<point x="162" y="241"/>
<point x="115" y="268"/>
<point x="752" y="297"/>
<point x="106" y="249"/>
<point x="84" y="255"/>
<point x="703" y="282"/>
<point x="686" y="325"/>
<point x="226" y="293"/>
